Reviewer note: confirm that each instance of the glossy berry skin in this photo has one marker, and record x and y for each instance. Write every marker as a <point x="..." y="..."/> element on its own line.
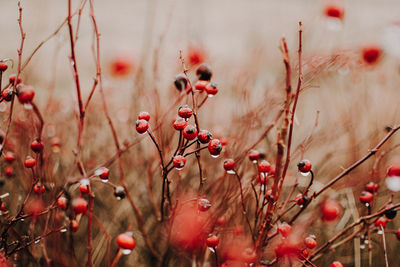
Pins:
<point x="180" y="82"/>
<point x="203" y="204"/>
<point x="9" y="157"/>
<point x="334" y="11"/>
<point x="190" y="132"/>
<point x="12" y="78"/>
<point x="84" y="189"/>
<point x="74" y="226"/>
<point x="125" y="241"/>
<point x="8" y="171"/>
<point x="285" y="229"/>
<point x="310" y="242"/>
<point x="103" y="173"/>
<point x="371" y="54"/>
<point x="26" y="95"/>
<point x="366" y="197"/>
<point x="229" y="164"/>
<point x="185" y="112"/>
<point x="180" y="124"/>
<point x="304" y="166"/>
<point x="179" y="161"/>
<point x="79" y="205"/>
<point x="204" y="72"/>
<point x="264" y="166"/>
<point x="336" y="264"/>
<point x="211" y="89"/>
<point x="300" y="199"/>
<point x="3" y="66"/>
<point x="39" y="188"/>
<point x="142" y="126"/>
<point x="254" y="155"/>
<point x="331" y="210"/>
<point x="398" y="234"/>
<point x="62" y="203"/>
<point x="7" y="94"/>
<point x="200" y="85"/>
<point x="394" y="170"/>
<point x="29" y="162"/>
<point x="119" y="192"/>
<point x="371" y="187"/>
<point x="204" y="136"/>
<point x="144" y="115"/>
<point x="212" y="241"/>
<point x="215" y="147"/>
<point x="37" y="146"/>
<point x="380" y="222"/>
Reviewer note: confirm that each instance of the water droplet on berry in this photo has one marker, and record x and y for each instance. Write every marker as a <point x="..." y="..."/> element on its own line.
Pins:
<point x="379" y="232"/>
<point x="28" y="106"/>
<point x="366" y="241"/>
<point x="212" y="250"/>
<point x="84" y="182"/>
<point x="255" y="161"/>
<point x="210" y="96"/>
<point x="334" y="24"/>
<point x="37" y="241"/>
<point x="126" y="251"/>
<point x="231" y="172"/>
<point x="63" y="230"/>
<point x="178" y="169"/>
<point x="305" y="173"/>
<point x="3" y="107"/>
<point x="362" y="246"/>
<point x="215" y="156"/>
<point x="104" y="180"/>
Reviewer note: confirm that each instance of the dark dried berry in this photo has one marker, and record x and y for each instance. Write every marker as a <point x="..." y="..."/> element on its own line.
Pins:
<point x="119" y="192"/>
<point x="180" y="81"/>
<point x="204" y="72"/>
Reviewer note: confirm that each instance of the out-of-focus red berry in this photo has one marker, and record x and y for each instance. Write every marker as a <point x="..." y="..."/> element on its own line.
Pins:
<point x="212" y="241"/>
<point x="79" y="205"/>
<point x="394" y="170"/>
<point x="26" y="95"/>
<point x="285" y="229"/>
<point x="371" y="54"/>
<point x="125" y="241"/>
<point x="336" y="264"/>
<point x="331" y="210"/>
<point x="121" y="66"/>
<point x="366" y="197"/>
<point x="381" y="221"/>
<point x="310" y="242"/>
<point x="29" y="162"/>
<point x="264" y="166"/>
<point x="9" y="157"/>
<point x="334" y="11"/>
<point x="62" y="203"/>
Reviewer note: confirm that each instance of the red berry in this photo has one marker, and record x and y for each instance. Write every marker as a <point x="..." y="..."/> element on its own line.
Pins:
<point x="203" y="204"/>
<point x="8" y="171"/>
<point x="229" y="164"/>
<point x="79" y="205"/>
<point x="74" y="225"/>
<point x="121" y="66"/>
<point x="394" y="170"/>
<point x="180" y="124"/>
<point x="3" y="207"/>
<point x="264" y="166"/>
<point x="299" y="199"/>
<point x="211" y="89"/>
<point x="372" y="187"/>
<point x="84" y="188"/>
<point x="26" y="95"/>
<point x="3" y="66"/>
<point x="398" y="234"/>
<point x="304" y="166"/>
<point x="371" y="54"/>
<point x="204" y="72"/>
<point x="189" y="132"/>
<point x="268" y="194"/>
<point x="179" y="162"/>
<point x="9" y="157"/>
<point x="200" y="85"/>
<point x="7" y="94"/>
<point x="212" y="241"/>
<point x="37" y="146"/>
<point x="334" y="11"/>
<point x="144" y="115"/>
<point x="196" y="55"/>
<point x="238" y="230"/>
<point x="310" y="242"/>
<point x="39" y="188"/>
<point x="103" y="173"/>
<point x="221" y="221"/>
<point x="336" y="264"/>
<point x="254" y="155"/>
<point x="125" y="241"/>
<point x="185" y="112"/>
<point x="29" y="162"/>
<point x="62" y="203"/>
<point x="204" y="136"/>
<point x="381" y="221"/>
<point x="331" y="210"/>
<point x="215" y="147"/>
<point x="366" y="197"/>
<point x="142" y="126"/>
<point x="285" y="229"/>
<point x="12" y="78"/>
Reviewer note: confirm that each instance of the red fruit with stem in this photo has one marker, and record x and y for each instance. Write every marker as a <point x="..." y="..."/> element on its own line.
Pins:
<point x="39" y="188"/>
<point x="366" y="197"/>
<point x="310" y="242"/>
<point x="144" y="115"/>
<point x="3" y="66"/>
<point x="203" y="204"/>
<point x="125" y="241"/>
<point x="394" y="170"/>
<point x="285" y="229"/>
<point x="185" y="112"/>
<point x="200" y="85"/>
<point x="304" y="166"/>
<point x="103" y="173"/>
<point x="215" y="147"/>
<point x="372" y="187"/>
<point x="29" y="162"/>
<point x="204" y="136"/>
<point x="229" y="164"/>
<point x="37" y="146"/>
<point x="84" y="188"/>
<point x="12" y="78"/>
<point x="190" y="132"/>
<point x="211" y="89"/>
<point x="8" y="171"/>
<point x="331" y="210"/>
<point x="9" y="157"/>
<point x="334" y="11"/>
<point x="180" y="124"/>
<point x="179" y="162"/>
<point x="300" y="199"/>
<point x="74" y="225"/>
<point x="264" y="166"/>
<point x="254" y="155"/>
<point x="62" y="203"/>
<point x="336" y="264"/>
<point x="371" y="54"/>
<point x="380" y="222"/>
<point x="79" y="205"/>
<point x="142" y="126"/>
<point x="26" y="95"/>
<point x="7" y="94"/>
<point x="212" y="241"/>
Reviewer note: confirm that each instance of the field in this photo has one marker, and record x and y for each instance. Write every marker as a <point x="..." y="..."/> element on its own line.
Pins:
<point x="199" y="133"/>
